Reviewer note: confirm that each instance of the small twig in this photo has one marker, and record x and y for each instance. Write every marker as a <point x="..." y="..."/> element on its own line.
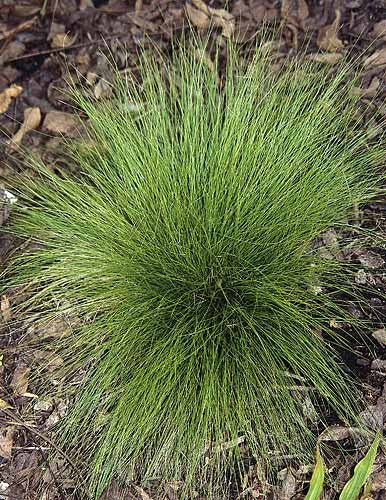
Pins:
<point x="63" y="49"/>
<point x="20" y="27"/>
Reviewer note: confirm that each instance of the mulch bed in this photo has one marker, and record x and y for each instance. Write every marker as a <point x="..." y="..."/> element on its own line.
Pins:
<point x="42" y="44"/>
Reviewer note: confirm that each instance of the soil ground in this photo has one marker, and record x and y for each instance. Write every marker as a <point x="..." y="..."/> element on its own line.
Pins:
<point x="41" y="41"/>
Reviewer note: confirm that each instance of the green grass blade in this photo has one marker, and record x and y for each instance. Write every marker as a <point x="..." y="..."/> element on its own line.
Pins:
<point x="362" y="471"/>
<point x="317" y="479"/>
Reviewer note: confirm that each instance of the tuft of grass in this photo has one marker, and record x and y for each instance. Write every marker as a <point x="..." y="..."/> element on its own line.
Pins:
<point x="186" y="250"/>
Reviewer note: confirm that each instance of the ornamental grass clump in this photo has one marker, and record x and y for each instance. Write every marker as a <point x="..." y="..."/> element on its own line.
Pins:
<point x="186" y="247"/>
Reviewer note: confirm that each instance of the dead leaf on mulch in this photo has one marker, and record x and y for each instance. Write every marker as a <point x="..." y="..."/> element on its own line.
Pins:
<point x="19" y="382"/>
<point x="380" y="336"/>
<point x="58" y="467"/>
<point x="328" y="36"/>
<point x="4" y="405"/>
<point x="294" y="12"/>
<point x="103" y="89"/>
<point x="63" y="40"/>
<point x="202" y="16"/>
<point x="378" y="481"/>
<point x="197" y="17"/>
<point x="6" y="442"/>
<point x="55" y="328"/>
<point x="32" y="118"/>
<point x="7" y="95"/>
<point x="289" y="483"/>
<point x="370" y="260"/>
<point x="372" y="416"/>
<point x="11" y="51"/>
<point x="142" y="492"/>
<point x="60" y="122"/>
<point x="114" y="7"/>
<point x="376" y="59"/>
<point x="379" y="365"/>
<point x="371" y="90"/>
<point x="59" y="36"/>
<point x="327" y="57"/>
<point x="43" y="405"/>
<point x="115" y="492"/>
<point x="25" y="10"/>
<point x="58" y="413"/>
<point x="335" y="433"/>
<point x="5" y="309"/>
<point x="50" y="361"/>
<point x="379" y="30"/>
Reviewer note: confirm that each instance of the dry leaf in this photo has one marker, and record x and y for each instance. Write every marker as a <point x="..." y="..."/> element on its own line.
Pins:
<point x="117" y="7"/>
<point x="57" y="328"/>
<point x="91" y="78"/>
<point x="328" y="36"/>
<point x="103" y="89"/>
<point x="19" y="382"/>
<point x="60" y="122"/>
<point x="4" y="405"/>
<point x="376" y="59"/>
<point x="303" y="11"/>
<point x="335" y="433"/>
<point x="295" y="11"/>
<point x="43" y="405"/>
<point x="197" y="17"/>
<point x="7" y="95"/>
<point x="379" y="29"/>
<point x="372" y="416"/>
<point x="26" y="10"/>
<point x="379" y="365"/>
<point x="289" y="484"/>
<point x="58" y="413"/>
<point x="378" y="481"/>
<point x="285" y="10"/>
<point x="32" y="118"/>
<point x="62" y="40"/>
<point x="142" y="492"/>
<point x="370" y="91"/>
<point x="327" y="58"/>
<point x="6" y="442"/>
<point x="12" y="51"/>
<point x="50" y="362"/>
<point x="115" y="491"/>
<point x="5" y="309"/>
<point x="201" y="15"/>
<point x="56" y="28"/>
<point x="380" y="336"/>
<point x="370" y="260"/>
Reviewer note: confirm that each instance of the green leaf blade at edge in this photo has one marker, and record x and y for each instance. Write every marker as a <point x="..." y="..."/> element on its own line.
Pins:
<point x="362" y="471"/>
<point x="317" y="479"/>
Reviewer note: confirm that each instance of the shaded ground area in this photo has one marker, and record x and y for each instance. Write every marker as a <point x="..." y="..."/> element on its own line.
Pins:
<point x="41" y="42"/>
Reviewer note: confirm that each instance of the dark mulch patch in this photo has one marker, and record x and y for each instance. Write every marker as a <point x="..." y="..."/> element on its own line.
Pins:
<point x="41" y="42"/>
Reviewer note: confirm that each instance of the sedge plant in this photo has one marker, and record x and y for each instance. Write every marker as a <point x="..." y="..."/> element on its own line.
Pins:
<point x="185" y="245"/>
